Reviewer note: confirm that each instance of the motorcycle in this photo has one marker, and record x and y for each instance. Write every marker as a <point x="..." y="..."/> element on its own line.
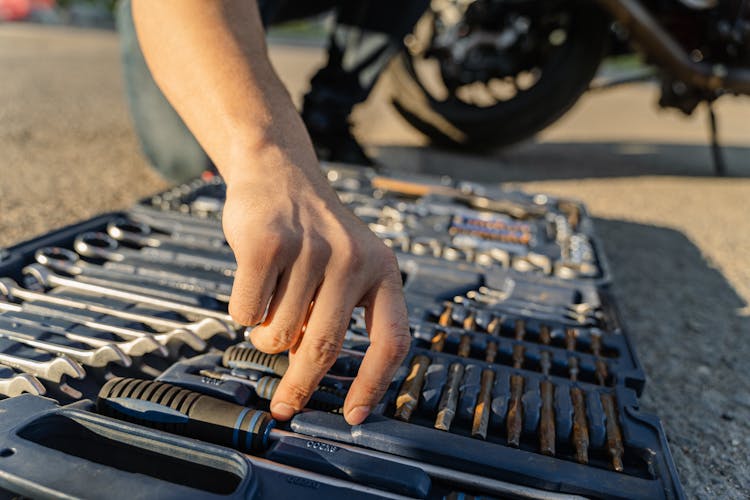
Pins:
<point x="489" y="73"/>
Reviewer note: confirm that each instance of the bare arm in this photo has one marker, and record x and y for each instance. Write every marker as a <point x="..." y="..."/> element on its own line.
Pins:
<point x="294" y="242"/>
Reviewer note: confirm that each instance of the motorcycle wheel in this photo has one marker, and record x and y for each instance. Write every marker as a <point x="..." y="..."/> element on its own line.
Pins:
<point x="449" y="120"/>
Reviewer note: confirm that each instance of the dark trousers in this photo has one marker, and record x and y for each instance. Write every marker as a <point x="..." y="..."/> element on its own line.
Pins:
<point x="367" y="34"/>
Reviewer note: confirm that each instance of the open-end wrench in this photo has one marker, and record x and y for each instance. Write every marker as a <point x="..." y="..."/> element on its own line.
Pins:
<point x="50" y="279"/>
<point x="30" y="336"/>
<point x="53" y="369"/>
<point x="169" y="285"/>
<point x="103" y="246"/>
<point x="205" y="328"/>
<point x="138" y="233"/>
<point x="14" y="384"/>
<point x="172" y="222"/>
<point x="134" y="348"/>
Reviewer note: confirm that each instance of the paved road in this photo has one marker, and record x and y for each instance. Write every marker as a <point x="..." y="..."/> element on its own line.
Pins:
<point x="678" y="239"/>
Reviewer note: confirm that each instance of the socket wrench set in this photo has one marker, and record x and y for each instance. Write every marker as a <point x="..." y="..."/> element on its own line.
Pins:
<point x="123" y="375"/>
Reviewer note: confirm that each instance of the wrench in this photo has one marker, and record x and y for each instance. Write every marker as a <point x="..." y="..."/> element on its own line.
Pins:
<point x="49" y="279"/>
<point x="103" y="246"/>
<point x="136" y="348"/>
<point x="96" y="358"/>
<point x="172" y="222"/>
<point x="66" y="261"/>
<point x="14" y="384"/>
<point x="53" y="369"/>
<point x="138" y="233"/>
<point x="205" y="328"/>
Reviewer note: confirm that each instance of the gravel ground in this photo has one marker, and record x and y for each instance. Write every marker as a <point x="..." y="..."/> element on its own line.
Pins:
<point x="678" y="240"/>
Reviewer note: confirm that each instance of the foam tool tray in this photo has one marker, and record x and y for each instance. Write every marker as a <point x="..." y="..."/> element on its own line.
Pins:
<point x="446" y="220"/>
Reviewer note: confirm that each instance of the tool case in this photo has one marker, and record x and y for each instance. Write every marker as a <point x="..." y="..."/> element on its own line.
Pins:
<point x="521" y="380"/>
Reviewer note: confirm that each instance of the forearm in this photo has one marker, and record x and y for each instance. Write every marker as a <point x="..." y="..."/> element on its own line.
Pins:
<point x="210" y="60"/>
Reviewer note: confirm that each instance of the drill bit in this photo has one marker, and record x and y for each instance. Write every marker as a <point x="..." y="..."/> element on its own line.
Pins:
<point x="520" y="329"/>
<point x="601" y="366"/>
<point x="545" y="336"/>
<point x="438" y="342"/>
<point x="547" y="416"/>
<point x="614" y="436"/>
<point x="484" y="403"/>
<point x="494" y="327"/>
<point x="464" y="346"/>
<point x="470" y="321"/>
<point x="580" y="425"/>
<point x="514" y="421"/>
<point x="449" y="399"/>
<point x="445" y="317"/>
<point x="570" y="339"/>
<point x="408" y="397"/>
<point x="491" y="351"/>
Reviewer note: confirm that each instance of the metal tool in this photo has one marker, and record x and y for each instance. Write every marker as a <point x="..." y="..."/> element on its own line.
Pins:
<point x="483" y="406"/>
<point x="53" y="369"/>
<point x="205" y="328"/>
<point x="514" y="420"/>
<point x="138" y="233"/>
<point x="49" y="279"/>
<point x="445" y="317"/>
<point x="547" y="391"/>
<point x="172" y="222"/>
<point x="102" y="246"/>
<point x="14" y="384"/>
<point x="614" y="436"/>
<point x="132" y="348"/>
<point x="97" y="357"/>
<point x="408" y="396"/>
<point x="449" y="398"/>
<point x="66" y="261"/>
<point x="580" y="432"/>
<point x="437" y="343"/>
<point x="600" y="365"/>
<point x="491" y="351"/>
<point x="464" y="346"/>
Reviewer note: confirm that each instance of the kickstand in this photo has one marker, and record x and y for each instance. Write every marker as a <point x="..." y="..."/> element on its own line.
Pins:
<point x="719" y="165"/>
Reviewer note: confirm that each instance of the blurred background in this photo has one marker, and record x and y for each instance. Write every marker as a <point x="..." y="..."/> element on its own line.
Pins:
<point x="677" y="236"/>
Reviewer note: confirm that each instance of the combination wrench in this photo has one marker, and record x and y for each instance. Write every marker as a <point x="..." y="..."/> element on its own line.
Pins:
<point x="14" y="384"/>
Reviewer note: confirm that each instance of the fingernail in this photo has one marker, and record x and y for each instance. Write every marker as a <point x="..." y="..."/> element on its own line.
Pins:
<point x="282" y="411"/>
<point x="358" y="415"/>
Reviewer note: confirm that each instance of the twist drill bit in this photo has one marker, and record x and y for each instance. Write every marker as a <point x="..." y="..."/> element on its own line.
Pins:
<point x="408" y="397"/>
<point x="514" y="421"/>
<point x="491" y="352"/>
<point x="545" y="336"/>
<point x="580" y="425"/>
<point x="464" y="346"/>
<point x="547" y="416"/>
<point x="573" y="368"/>
<point x="445" y="318"/>
<point x="484" y="402"/>
<point x="449" y="399"/>
<point x="570" y="339"/>
<point x="614" y="436"/>
<point x="438" y="342"/>
<point x="600" y="365"/>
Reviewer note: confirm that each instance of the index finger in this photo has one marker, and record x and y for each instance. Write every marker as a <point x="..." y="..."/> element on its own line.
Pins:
<point x="388" y="326"/>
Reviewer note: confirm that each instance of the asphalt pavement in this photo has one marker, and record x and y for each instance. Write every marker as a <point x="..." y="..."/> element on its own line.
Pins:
<point x="677" y="238"/>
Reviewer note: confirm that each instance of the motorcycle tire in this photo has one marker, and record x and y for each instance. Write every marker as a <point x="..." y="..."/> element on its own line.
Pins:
<point x="455" y="123"/>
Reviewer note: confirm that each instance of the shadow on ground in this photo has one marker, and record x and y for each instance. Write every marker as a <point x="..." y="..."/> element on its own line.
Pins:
<point x="563" y="160"/>
<point x="684" y="320"/>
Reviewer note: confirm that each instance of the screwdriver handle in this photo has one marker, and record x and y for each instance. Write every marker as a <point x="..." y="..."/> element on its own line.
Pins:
<point x="239" y="356"/>
<point x="173" y="409"/>
<point x="323" y="399"/>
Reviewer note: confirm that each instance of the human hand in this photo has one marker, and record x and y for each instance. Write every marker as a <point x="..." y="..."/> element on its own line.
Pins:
<point x="298" y="247"/>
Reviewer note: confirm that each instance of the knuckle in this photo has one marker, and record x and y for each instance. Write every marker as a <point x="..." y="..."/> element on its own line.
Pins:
<point x="323" y="352"/>
<point x="243" y="314"/>
<point x="352" y="255"/>
<point x="280" y="339"/>
<point x="318" y="251"/>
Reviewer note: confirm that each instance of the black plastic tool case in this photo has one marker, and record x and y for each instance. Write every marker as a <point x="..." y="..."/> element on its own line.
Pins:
<point x="48" y="449"/>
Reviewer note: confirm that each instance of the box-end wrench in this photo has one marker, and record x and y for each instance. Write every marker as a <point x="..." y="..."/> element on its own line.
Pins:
<point x="48" y="341"/>
<point x="132" y="348"/>
<point x="49" y="279"/>
<point x="68" y="262"/>
<point x="103" y="246"/>
<point x="205" y="328"/>
<point x="14" y="384"/>
<point x="140" y="234"/>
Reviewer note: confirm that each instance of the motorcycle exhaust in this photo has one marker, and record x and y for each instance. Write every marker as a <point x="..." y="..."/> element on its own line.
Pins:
<point x="659" y="45"/>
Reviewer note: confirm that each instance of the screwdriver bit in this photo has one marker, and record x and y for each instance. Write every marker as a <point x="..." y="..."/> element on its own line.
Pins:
<point x="449" y="399"/>
<point x="614" y="436"/>
<point x="470" y="321"/>
<point x="494" y="327"/>
<point x="445" y="317"/>
<point x="570" y="339"/>
<point x="484" y="403"/>
<point x="408" y="397"/>
<point x="491" y="352"/>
